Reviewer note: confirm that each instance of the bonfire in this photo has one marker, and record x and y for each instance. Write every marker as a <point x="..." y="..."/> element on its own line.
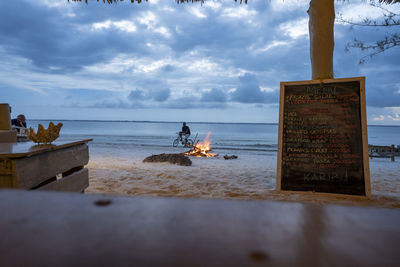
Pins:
<point x="202" y="149"/>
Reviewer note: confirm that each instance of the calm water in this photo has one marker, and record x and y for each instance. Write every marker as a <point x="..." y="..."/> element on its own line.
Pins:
<point x="255" y="138"/>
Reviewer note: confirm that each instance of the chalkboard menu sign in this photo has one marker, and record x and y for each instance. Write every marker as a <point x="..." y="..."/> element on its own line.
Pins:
<point x="323" y="137"/>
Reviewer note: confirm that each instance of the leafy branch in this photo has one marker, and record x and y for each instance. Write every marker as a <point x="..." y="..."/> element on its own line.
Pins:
<point x="391" y="40"/>
<point x="380" y="46"/>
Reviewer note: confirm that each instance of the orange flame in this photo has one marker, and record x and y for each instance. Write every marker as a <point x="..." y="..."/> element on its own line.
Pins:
<point x="202" y="149"/>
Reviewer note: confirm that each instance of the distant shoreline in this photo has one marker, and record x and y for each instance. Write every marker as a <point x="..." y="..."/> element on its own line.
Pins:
<point x="195" y="122"/>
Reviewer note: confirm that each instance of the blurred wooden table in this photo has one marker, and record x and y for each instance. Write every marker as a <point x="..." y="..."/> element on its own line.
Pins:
<point x="67" y="229"/>
<point x="57" y="166"/>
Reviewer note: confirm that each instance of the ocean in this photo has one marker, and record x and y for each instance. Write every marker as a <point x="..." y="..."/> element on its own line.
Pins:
<point x="226" y="137"/>
<point x="118" y="148"/>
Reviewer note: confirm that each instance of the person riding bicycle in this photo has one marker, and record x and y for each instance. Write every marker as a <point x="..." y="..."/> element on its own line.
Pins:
<point x="185" y="131"/>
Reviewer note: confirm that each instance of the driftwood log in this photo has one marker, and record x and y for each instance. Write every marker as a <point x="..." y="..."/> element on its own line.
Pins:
<point x="230" y="157"/>
<point x="198" y="153"/>
<point x="179" y="159"/>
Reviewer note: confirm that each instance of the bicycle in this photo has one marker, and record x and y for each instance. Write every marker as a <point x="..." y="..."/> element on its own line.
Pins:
<point x="186" y="142"/>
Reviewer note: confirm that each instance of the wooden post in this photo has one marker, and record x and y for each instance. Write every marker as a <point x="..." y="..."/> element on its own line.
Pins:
<point x="5" y="119"/>
<point x="6" y="134"/>
<point x="392" y="153"/>
<point x="321" y="23"/>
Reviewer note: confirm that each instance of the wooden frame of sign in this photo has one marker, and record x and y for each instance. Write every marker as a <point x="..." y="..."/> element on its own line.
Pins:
<point x="323" y="142"/>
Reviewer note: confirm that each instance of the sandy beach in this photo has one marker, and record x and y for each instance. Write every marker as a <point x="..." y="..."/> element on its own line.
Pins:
<point x="250" y="177"/>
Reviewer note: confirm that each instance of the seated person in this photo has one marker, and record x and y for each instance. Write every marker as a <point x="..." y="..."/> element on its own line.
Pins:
<point x="185" y="131"/>
<point x="20" y="121"/>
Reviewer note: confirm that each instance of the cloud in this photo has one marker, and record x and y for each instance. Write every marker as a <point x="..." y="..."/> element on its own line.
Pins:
<point x="197" y="12"/>
<point x="383" y="97"/>
<point x="295" y="29"/>
<point x="241" y="12"/>
<point x="190" y="102"/>
<point x="167" y="56"/>
<point x="384" y="91"/>
<point x="356" y="12"/>
<point x="151" y="21"/>
<point x="122" y="25"/>
<point x="137" y="95"/>
<point x="55" y="43"/>
<point x="249" y="91"/>
<point x="116" y="104"/>
<point x="161" y="95"/>
<point x="214" y="95"/>
<point x="394" y="116"/>
<point x="378" y="118"/>
<point x="151" y="99"/>
<point x="167" y="68"/>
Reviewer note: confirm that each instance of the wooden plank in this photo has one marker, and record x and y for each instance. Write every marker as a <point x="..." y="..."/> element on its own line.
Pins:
<point x="380" y="147"/>
<point x="7" y="170"/>
<point x="322" y="145"/>
<point x="8" y="136"/>
<point x="95" y="230"/>
<point x="27" y="149"/>
<point x="6" y="181"/>
<point x="364" y="131"/>
<point x="75" y="182"/>
<point x="280" y="137"/>
<point x="392" y="153"/>
<point x="382" y="150"/>
<point x="31" y="171"/>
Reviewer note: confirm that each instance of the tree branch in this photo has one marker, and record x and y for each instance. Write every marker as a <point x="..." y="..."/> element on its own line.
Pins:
<point x="390" y="19"/>
<point x="377" y="48"/>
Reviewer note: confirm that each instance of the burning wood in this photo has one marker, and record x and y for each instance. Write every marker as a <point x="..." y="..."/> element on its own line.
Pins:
<point x="202" y="149"/>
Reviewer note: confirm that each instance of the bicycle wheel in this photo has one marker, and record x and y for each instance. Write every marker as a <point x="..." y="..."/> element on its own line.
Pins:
<point x="175" y="143"/>
<point x="189" y="143"/>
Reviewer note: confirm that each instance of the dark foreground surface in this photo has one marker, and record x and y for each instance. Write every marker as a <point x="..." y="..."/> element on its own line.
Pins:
<point x="67" y="229"/>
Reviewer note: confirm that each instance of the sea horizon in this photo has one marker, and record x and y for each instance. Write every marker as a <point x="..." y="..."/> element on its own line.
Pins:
<point x="193" y="122"/>
<point x="149" y="121"/>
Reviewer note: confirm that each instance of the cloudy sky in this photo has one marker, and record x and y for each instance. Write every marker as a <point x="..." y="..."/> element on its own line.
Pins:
<point x="220" y="62"/>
